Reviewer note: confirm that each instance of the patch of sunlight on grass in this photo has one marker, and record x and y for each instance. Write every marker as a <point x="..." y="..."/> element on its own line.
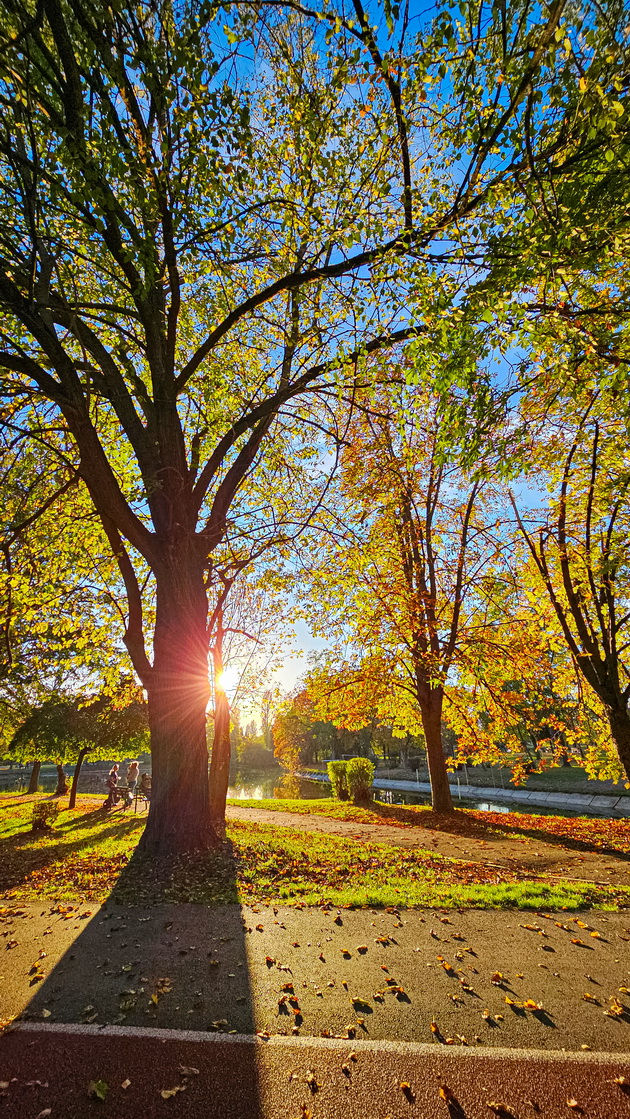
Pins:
<point x="90" y="853"/>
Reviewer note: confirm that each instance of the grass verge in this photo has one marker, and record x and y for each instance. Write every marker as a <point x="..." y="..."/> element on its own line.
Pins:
<point x="90" y="855"/>
<point x="584" y="833"/>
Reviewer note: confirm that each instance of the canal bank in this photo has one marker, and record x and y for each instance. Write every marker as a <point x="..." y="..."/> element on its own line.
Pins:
<point x="518" y="800"/>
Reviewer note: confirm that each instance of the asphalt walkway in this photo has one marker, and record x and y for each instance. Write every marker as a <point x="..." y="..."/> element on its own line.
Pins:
<point x="504" y="978"/>
<point x="147" y="1074"/>
<point x="258" y="1012"/>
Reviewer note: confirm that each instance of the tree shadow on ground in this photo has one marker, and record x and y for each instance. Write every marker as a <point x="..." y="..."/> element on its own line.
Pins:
<point x="20" y="859"/>
<point x="147" y="960"/>
<point x="462" y="823"/>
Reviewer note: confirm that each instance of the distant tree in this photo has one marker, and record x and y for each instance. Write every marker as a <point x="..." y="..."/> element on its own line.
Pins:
<point x="67" y="730"/>
<point x="395" y="574"/>
<point x="581" y="554"/>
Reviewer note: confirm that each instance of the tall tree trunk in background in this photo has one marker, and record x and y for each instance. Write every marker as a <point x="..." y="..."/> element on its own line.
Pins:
<point x="221" y="748"/>
<point x="431" y="702"/>
<point x="62" y="783"/>
<point x="177" y="695"/>
<point x="619" y="720"/>
<point x="34" y="778"/>
<point x="75" y="777"/>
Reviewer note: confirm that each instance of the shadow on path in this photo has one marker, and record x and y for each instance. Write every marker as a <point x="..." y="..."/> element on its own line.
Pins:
<point x="149" y="963"/>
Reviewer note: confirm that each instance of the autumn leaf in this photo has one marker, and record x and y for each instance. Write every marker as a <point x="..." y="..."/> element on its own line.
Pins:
<point x="168" y="1093"/>
<point x="98" y="1089"/>
<point x="616" y="1009"/>
<point x="311" y="1080"/>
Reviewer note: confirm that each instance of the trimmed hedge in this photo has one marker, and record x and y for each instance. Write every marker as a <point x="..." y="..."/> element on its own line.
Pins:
<point x="338" y="777"/>
<point x="352" y="778"/>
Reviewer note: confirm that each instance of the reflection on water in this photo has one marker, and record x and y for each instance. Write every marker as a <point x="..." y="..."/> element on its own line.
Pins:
<point x="266" y="785"/>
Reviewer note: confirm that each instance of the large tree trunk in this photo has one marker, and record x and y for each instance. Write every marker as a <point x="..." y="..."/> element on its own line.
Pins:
<point x="75" y="778"/>
<point x="62" y="782"/>
<point x="619" y="720"/>
<point x="431" y="711"/>
<point x="34" y="779"/>
<point x="177" y="695"/>
<point x="221" y="749"/>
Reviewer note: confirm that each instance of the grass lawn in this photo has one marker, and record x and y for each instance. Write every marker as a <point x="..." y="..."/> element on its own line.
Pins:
<point x="90" y="855"/>
<point x="601" y="834"/>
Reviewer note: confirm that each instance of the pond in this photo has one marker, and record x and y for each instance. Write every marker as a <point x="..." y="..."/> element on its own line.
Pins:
<point x="267" y="785"/>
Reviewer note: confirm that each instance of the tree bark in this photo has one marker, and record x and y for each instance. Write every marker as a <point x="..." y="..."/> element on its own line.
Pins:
<point x="431" y="711"/>
<point x="75" y="778"/>
<point x="177" y="696"/>
<point x="619" y="720"/>
<point x="221" y="747"/>
<point x="62" y="782"/>
<point x="34" y="778"/>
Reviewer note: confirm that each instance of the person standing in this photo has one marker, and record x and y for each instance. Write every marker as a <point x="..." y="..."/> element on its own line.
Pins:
<point x="112" y="782"/>
<point x="132" y="780"/>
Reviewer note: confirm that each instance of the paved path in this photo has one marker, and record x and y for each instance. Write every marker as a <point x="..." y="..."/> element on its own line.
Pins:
<point x="528" y="854"/>
<point x="112" y="994"/>
<point x="503" y="978"/>
<point x="613" y="805"/>
<point x="48" y="1071"/>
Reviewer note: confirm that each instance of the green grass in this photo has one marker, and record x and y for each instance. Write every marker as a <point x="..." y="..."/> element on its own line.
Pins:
<point x="90" y="856"/>
<point x="581" y="832"/>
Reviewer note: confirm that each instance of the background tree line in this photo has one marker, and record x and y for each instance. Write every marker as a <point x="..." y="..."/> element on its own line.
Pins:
<point x="224" y="229"/>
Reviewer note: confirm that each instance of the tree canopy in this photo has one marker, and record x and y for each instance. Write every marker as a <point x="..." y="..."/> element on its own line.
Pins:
<point x="212" y="215"/>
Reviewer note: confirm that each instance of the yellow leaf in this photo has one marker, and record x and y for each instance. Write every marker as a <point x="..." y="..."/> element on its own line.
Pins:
<point x="166" y="1093"/>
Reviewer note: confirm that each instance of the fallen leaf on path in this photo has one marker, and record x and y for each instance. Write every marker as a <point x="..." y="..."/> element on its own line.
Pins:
<point x="407" y="1091"/>
<point x="98" y="1089"/>
<point x="125" y="1084"/>
<point x="185" y="1070"/>
<point x="167" y="1093"/>
<point x="311" y="1080"/>
<point x="502" y="1109"/>
<point x="615" y="1009"/>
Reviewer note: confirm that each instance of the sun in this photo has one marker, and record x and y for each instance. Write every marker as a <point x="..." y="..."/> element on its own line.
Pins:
<point x="227" y="679"/>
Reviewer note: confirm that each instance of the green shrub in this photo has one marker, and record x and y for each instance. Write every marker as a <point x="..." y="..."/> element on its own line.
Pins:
<point x="338" y="777"/>
<point x="45" y="814"/>
<point x="360" y="775"/>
